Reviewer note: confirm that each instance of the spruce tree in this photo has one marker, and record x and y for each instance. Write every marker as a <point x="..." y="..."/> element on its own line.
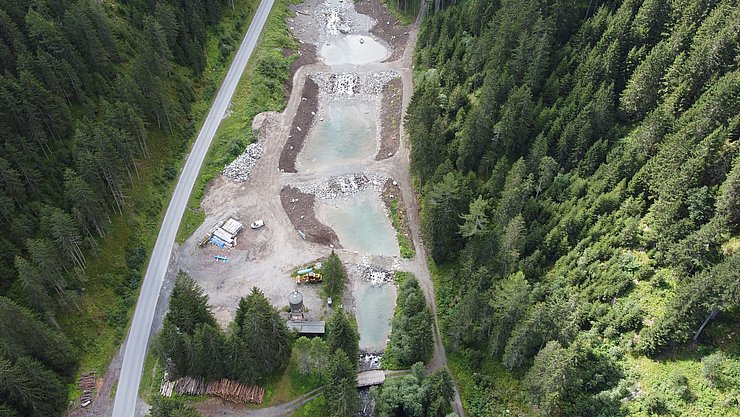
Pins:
<point x="334" y="275"/>
<point x="342" y="334"/>
<point x="208" y="353"/>
<point x="260" y="335"/>
<point x="189" y="305"/>
<point x="342" y="399"/>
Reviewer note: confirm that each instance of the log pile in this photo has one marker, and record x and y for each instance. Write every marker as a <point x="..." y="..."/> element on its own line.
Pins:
<point x="227" y="389"/>
<point x="235" y="392"/>
<point x="166" y="388"/>
<point x="190" y="386"/>
<point x="87" y="385"/>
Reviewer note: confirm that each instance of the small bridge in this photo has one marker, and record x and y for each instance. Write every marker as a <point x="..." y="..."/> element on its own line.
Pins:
<point x="378" y="376"/>
<point x="370" y="378"/>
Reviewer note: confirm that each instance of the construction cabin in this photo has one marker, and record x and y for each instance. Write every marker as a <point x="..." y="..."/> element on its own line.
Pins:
<point x="224" y="233"/>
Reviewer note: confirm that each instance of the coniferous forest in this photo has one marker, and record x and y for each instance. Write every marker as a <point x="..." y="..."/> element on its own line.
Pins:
<point x="580" y="169"/>
<point x="86" y="88"/>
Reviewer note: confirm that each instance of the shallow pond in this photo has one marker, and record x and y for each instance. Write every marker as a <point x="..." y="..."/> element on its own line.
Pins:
<point x="347" y="132"/>
<point x="375" y="307"/>
<point x="353" y="50"/>
<point x="360" y="223"/>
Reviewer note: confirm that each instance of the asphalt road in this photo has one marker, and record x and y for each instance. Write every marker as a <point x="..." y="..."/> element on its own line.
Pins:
<point x="138" y="336"/>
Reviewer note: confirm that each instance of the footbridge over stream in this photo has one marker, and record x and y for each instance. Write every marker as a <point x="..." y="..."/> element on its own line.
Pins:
<point x="370" y="378"/>
<point x="378" y="376"/>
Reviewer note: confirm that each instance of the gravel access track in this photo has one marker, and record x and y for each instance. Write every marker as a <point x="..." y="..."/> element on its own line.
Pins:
<point x="283" y="196"/>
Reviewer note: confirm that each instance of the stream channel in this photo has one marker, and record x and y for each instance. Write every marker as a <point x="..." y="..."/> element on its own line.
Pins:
<point x="343" y="139"/>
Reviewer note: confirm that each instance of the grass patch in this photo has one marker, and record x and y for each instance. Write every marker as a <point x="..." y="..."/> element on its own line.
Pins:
<point x="97" y="322"/>
<point x="261" y="88"/>
<point x="151" y="377"/>
<point x="288" y="384"/>
<point x="695" y="396"/>
<point x="315" y="407"/>
<point x="407" y="250"/>
<point x="191" y="220"/>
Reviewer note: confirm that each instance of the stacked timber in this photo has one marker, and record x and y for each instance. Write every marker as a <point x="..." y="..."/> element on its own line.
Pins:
<point x="87" y="385"/>
<point x="227" y="389"/>
<point x="235" y="392"/>
<point x="190" y="386"/>
<point x="166" y="388"/>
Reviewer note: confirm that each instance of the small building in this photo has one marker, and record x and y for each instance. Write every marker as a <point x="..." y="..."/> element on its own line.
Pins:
<point x="307" y="328"/>
<point x="297" y="320"/>
<point x="224" y="233"/>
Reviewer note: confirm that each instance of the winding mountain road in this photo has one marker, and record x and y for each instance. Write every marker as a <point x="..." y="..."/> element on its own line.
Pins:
<point x="138" y="336"/>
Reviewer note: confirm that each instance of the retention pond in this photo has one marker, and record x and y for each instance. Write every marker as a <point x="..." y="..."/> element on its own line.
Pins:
<point x="360" y="223"/>
<point x="375" y="306"/>
<point x="344" y="132"/>
<point x="353" y="50"/>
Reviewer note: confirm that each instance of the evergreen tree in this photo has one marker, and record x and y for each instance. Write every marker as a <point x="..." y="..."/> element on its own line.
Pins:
<point x="189" y="305"/>
<point x="260" y="334"/>
<point x="416" y="394"/>
<point x="22" y="334"/>
<point x="342" y="334"/>
<point x="174" y="347"/>
<point x="411" y="338"/>
<point x="86" y="206"/>
<point x="34" y="284"/>
<point x="342" y="399"/>
<point x="209" y="358"/>
<point x="443" y="205"/>
<point x="509" y="303"/>
<point x="31" y="388"/>
<point x="334" y="275"/>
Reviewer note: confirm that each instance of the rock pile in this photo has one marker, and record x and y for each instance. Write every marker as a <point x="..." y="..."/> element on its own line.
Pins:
<point x="343" y="186"/>
<point x="239" y="170"/>
<point x="375" y="275"/>
<point x="336" y="21"/>
<point x="369" y="361"/>
<point x="349" y="84"/>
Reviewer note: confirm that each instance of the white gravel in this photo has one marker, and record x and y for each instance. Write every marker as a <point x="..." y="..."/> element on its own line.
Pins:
<point x="350" y="84"/>
<point x="343" y="185"/>
<point x="374" y="274"/>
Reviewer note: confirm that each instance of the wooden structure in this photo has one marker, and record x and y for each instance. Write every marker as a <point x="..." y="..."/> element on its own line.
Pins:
<point x="370" y="378"/>
<point x="87" y="385"/>
<point x="223" y="234"/>
<point x="227" y="389"/>
<point x="307" y="327"/>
